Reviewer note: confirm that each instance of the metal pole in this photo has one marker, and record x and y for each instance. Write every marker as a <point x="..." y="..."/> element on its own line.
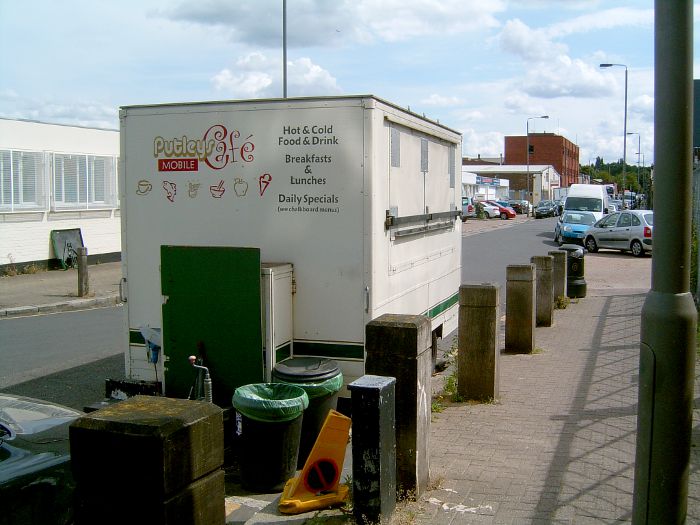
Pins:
<point x="639" y="157"/>
<point x="669" y="317"/>
<point x="284" y="47"/>
<point x="83" y="278"/>
<point x="527" y="154"/>
<point x="624" y="131"/>
<point x="624" y="145"/>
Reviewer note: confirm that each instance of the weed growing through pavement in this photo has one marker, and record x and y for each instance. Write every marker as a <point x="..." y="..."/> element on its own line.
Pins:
<point x="561" y="302"/>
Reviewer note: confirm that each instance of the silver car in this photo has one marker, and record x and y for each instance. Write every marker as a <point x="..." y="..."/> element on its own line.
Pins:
<point x="629" y="230"/>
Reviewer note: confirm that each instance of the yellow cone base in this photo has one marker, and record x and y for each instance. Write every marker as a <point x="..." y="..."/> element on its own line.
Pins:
<point x="306" y="502"/>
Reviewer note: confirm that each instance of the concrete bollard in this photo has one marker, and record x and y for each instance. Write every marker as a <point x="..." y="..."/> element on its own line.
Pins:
<point x="399" y="346"/>
<point x="477" y="337"/>
<point x="544" y="302"/>
<point x="520" y="308"/>
<point x="373" y="448"/>
<point x="558" y="273"/>
<point x="166" y="453"/>
<point x="83" y="279"/>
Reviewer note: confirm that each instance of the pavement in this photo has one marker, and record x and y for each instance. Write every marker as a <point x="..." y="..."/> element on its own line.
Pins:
<point x="557" y="445"/>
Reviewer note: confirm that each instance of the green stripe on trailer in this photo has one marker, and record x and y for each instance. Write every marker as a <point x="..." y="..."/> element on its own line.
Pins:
<point x="443" y="306"/>
<point x="337" y="350"/>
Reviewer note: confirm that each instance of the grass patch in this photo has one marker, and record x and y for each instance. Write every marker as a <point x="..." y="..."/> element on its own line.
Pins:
<point x="561" y="302"/>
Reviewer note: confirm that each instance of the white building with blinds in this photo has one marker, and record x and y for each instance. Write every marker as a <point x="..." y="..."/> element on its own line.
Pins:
<point x="57" y="178"/>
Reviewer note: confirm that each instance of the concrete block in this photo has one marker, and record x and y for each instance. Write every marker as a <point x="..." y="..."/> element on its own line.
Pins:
<point x="201" y="502"/>
<point x="400" y="346"/>
<point x="558" y="273"/>
<point x="544" y="302"/>
<point x="147" y="446"/>
<point x="520" y="308"/>
<point x="477" y="361"/>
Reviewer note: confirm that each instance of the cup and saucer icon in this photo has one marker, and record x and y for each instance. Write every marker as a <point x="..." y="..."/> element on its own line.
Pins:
<point x="144" y="187"/>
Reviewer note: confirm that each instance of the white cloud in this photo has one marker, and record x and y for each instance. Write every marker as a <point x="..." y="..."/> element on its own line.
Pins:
<point x="564" y="77"/>
<point x="77" y="113"/>
<point x="519" y="39"/>
<point x="398" y="20"/>
<point x="256" y="75"/>
<point x="606" y="19"/>
<point x="442" y="101"/>
<point x="307" y="79"/>
<point x="644" y="107"/>
<point x="475" y="143"/>
<point x="338" y="23"/>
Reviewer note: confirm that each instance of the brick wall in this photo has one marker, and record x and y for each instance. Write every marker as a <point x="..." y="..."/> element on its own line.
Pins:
<point x="547" y="149"/>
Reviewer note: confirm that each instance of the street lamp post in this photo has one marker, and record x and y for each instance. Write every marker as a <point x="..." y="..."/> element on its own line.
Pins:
<point x="624" y="132"/>
<point x="527" y="153"/>
<point x="284" y="48"/>
<point x="639" y="151"/>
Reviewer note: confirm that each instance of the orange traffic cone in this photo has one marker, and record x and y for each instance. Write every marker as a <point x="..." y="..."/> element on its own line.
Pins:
<point x="318" y="486"/>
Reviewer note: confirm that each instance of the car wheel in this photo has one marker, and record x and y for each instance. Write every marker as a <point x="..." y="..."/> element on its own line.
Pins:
<point x="504" y="216"/>
<point x="637" y="249"/>
<point x="591" y="245"/>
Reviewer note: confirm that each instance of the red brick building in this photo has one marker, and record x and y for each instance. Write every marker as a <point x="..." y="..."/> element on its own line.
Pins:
<point x="546" y="148"/>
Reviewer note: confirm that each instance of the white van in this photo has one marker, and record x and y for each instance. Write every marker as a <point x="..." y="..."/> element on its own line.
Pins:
<point x="587" y="197"/>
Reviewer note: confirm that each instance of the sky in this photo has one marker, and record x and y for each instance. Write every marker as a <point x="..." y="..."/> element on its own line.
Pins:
<point x="481" y="67"/>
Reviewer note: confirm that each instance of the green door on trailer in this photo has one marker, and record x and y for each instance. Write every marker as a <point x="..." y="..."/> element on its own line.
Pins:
<point x="211" y="310"/>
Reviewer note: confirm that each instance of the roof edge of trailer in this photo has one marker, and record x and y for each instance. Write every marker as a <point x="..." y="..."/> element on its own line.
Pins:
<point x="294" y="99"/>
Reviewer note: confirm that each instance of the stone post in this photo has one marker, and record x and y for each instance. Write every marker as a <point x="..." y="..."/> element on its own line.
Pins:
<point x="520" y="308"/>
<point x="544" y="303"/>
<point x="83" y="279"/>
<point x="399" y="346"/>
<point x="373" y="448"/>
<point x="164" y="453"/>
<point x="558" y="273"/>
<point x="477" y="336"/>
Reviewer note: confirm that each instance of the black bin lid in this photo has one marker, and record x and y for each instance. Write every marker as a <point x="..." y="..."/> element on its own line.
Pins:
<point x="305" y="369"/>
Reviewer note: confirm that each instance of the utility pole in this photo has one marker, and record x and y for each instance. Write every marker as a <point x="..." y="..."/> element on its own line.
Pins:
<point x="284" y="48"/>
<point x="669" y="317"/>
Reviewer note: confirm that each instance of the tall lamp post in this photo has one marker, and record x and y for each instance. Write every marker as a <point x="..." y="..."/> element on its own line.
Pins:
<point x="639" y="152"/>
<point x="624" y="132"/>
<point x="284" y="48"/>
<point x="527" y="152"/>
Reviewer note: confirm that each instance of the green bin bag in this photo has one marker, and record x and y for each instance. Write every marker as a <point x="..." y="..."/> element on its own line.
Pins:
<point x="271" y="402"/>
<point x="324" y="388"/>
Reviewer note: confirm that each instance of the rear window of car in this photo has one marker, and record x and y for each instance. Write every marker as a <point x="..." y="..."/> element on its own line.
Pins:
<point x="649" y="217"/>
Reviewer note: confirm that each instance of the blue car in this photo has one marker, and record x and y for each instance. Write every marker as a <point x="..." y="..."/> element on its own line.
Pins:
<point x="571" y="227"/>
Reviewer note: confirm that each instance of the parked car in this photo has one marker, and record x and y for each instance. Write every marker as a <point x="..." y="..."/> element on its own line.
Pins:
<point x="489" y="210"/>
<point x="615" y="203"/>
<point x="504" y="212"/>
<point x="545" y="209"/>
<point x="36" y="483"/>
<point x="468" y="208"/>
<point x="629" y="230"/>
<point x="572" y="226"/>
<point x="521" y="207"/>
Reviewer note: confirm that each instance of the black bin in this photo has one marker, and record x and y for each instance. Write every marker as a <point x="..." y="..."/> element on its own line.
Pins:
<point x="575" y="282"/>
<point x="321" y="379"/>
<point x="268" y="426"/>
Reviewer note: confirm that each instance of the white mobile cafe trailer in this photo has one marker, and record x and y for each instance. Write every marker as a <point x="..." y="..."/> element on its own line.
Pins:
<point x="257" y="230"/>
